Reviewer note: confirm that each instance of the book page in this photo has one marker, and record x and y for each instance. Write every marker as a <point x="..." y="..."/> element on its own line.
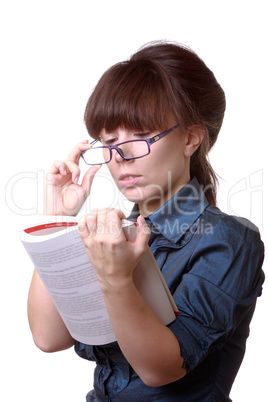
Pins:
<point x="64" y="267"/>
<point x="59" y="256"/>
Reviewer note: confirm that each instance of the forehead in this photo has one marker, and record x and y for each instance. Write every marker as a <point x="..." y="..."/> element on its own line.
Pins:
<point x="122" y="130"/>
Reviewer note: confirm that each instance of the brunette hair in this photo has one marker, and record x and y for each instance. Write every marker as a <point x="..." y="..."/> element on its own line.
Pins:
<point x="161" y="81"/>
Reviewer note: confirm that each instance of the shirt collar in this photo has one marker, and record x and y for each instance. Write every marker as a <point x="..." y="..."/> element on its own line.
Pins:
<point x="177" y="215"/>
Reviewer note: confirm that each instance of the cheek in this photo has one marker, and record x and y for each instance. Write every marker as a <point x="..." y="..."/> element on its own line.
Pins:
<point x="170" y="159"/>
<point x="112" y="168"/>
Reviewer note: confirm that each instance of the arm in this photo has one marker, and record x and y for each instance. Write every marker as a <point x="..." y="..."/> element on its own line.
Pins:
<point x="49" y="331"/>
<point x="149" y="346"/>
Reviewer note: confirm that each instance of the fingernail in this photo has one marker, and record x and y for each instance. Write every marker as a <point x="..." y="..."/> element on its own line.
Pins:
<point x="141" y="220"/>
<point x="81" y="227"/>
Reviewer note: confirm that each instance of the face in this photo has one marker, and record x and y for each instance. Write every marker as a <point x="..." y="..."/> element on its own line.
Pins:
<point x="152" y="180"/>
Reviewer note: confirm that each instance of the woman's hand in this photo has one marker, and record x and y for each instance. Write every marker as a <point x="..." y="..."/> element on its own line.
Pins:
<point x="148" y="345"/>
<point x="112" y="255"/>
<point x="63" y="194"/>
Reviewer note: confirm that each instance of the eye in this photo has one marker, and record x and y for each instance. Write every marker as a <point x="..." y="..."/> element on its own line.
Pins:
<point x="142" y="135"/>
<point x="109" y="141"/>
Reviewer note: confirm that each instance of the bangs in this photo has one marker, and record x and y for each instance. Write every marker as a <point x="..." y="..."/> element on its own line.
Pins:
<point x="131" y="95"/>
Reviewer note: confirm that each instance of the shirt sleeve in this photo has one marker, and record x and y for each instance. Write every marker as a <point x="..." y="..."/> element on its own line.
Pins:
<point x="223" y="281"/>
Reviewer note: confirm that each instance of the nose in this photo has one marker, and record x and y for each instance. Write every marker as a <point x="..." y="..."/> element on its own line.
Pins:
<point x="118" y="158"/>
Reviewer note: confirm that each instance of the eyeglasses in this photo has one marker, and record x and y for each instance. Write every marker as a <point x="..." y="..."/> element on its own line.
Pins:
<point x="134" y="149"/>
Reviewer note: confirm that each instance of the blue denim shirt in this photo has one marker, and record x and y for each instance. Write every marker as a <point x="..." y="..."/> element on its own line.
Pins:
<point x="212" y="265"/>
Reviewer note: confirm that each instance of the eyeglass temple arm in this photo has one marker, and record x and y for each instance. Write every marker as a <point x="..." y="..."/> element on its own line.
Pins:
<point x="91" y="143"/>
<point x="161" y="135"/>
<point x="150" y="141"/>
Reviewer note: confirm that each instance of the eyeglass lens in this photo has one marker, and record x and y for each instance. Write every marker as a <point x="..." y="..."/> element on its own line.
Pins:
<point x="131" y="149"/>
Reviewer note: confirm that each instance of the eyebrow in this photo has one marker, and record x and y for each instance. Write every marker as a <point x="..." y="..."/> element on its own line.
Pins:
<point x="133" y="132"/>
<point x="111" y="133"/>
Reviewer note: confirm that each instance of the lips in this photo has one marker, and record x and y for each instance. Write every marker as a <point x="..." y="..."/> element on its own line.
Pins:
<point x="128" y="179"/>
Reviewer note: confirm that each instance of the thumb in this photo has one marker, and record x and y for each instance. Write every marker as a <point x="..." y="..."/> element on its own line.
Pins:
<point x="88" y="178"/>
<point x="144" y="232"/>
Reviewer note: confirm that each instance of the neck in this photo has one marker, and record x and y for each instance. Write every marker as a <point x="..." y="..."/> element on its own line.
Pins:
<point x="148" y="207"/>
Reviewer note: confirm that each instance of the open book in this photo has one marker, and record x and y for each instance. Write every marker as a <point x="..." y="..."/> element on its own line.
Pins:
<point x="59" y="256"/>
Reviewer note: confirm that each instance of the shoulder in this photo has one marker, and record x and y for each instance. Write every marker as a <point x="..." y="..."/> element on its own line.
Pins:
<point x="230" y="228"/>
<point x="229" y="253"/>
<point x="228" y="245"/>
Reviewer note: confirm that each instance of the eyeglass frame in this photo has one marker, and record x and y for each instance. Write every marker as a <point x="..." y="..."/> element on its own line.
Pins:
<point x="150" y="141"/>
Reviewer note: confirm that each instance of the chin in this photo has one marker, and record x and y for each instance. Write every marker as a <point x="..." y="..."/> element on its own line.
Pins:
<point x="133" y="194"/>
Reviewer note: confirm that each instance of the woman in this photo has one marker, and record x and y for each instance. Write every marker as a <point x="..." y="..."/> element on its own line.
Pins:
<point x="156" y="116"/>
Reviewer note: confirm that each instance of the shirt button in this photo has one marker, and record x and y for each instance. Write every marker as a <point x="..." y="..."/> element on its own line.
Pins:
<point x="192" y="359"/>
<point x="204" y="345"/>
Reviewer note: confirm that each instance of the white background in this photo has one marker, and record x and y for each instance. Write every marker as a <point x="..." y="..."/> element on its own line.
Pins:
<point x="52" y="53"/>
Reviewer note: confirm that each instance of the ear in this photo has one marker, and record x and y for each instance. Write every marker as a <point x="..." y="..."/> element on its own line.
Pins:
<point x="194" y="137"/>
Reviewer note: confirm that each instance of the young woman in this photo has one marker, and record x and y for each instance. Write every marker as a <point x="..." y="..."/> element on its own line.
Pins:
<point x="155" y="117"/>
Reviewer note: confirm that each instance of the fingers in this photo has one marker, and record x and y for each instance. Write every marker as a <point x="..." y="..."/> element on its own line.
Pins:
<point x="75" y="154"/>
<point x="63" y="193"/>
<point x="88" y="178"/>
<point x="113" y="216"/>
<point x="102" y="223"/>
<point x="87" y="226"/>
<point x="58" y="167"/>
<point x="144" y="232"/>
<point x="71" y="165"/>
<point x="108" y="223"/>
<point x="72" y="159"/>
<point x="59" y="170"/>
<point x="109" y="251"/>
